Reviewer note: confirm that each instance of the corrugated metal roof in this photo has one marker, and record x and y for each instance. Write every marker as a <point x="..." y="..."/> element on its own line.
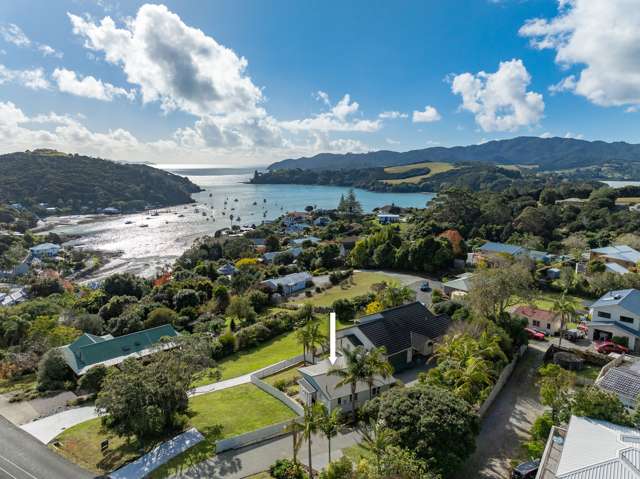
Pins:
<point x="511" y="249"/>
<point x="628" y="299"/>
<point x="619" y="252"/>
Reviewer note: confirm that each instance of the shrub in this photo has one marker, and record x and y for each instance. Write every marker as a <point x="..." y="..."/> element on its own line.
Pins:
<point x="344" y="309"/>
<point x="286" y="469"/>
<point x="160" y="316"/>
<point x="252" y="335"/>
<point x="185" y="298"/>
<point x="228" y="343"/>
<point x="92" y="379"/>
<point x="53" y="371"/>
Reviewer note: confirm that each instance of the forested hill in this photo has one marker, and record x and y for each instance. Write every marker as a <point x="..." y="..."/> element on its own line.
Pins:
<point x="547" y="153"/>
<point x="74" y="182"/>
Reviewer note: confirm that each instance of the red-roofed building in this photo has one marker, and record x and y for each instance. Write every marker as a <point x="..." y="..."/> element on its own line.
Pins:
<point x="539" y="319"/>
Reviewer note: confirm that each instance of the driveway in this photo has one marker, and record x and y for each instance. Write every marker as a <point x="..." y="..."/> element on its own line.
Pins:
<point x="23" y="457"/>
<point x="508" y="420"/>
<point x="240" y="463"/>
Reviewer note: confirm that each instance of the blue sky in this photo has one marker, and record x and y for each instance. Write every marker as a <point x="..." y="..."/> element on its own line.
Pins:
<point x="249" y="82"/>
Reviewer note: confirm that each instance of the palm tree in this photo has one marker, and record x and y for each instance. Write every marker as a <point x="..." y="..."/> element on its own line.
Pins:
<point x="396" y="295"/>
<point x="309" y="428"/>
<point x="375" y="439"/>
<point x="354" y="370"/>
<point x="377" y="365"/>
<point x="566" y="310"/>
<point x="328" y="422"/>
<point x="311" y="338"/>
<point x="295" y="428"/>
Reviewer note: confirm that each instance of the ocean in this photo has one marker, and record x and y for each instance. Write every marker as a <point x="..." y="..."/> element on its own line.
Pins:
<point x="144" y="250"/>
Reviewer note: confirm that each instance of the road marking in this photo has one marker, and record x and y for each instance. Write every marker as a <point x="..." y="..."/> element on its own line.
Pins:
<point x="17" y="467"/>
<point x="4" y="470"/>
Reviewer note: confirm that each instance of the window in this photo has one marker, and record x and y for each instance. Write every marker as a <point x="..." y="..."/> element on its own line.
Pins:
<point x="626" y="319"/>
<point x="339" y="401"/>
<point x="548" y="325"/>
<point x="356" y="396"/>
<point x="602" y="314"/>
<point x="536" y="322"/>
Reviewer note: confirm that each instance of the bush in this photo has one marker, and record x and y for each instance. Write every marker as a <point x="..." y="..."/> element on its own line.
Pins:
<point x="124" y="284"/>
<point x="252" y="335"/>
<point x="92" y="379"/>
<point x="286" y="469"/>
<point x="116" y="306"/>
<point x="258" y="300"/>
<point x="53" y="371"/>
<point x="160" y="316"/>
<point x="185" y="298"/>
<point x="228" y="343"/>
<point x="344" y="309"/>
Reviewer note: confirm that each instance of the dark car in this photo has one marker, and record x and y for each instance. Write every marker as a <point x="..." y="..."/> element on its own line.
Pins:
<point x="425" y="287"/>
<point x="526" y="470"/>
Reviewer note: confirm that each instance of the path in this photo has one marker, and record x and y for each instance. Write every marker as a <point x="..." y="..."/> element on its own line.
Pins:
<point x="240" y="463"/>
<point x="508" y="420"/>
<point x="46" y="429"/>
<point x="23" y="457"/>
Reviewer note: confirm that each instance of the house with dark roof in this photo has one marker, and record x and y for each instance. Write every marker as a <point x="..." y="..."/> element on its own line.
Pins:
<point x="405" y="332"/>
<point x="617" y="313"/>
<point x="90" y="350"/>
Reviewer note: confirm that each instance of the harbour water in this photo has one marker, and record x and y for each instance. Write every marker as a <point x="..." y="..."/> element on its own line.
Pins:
<point x="147" y="243"/>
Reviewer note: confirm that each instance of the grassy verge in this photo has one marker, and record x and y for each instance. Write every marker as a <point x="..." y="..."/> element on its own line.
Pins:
<point x="545" y="300"/>
<point x="217" y="415"/>
<point x="361" y="284"/>
<point x="23" y="383"/>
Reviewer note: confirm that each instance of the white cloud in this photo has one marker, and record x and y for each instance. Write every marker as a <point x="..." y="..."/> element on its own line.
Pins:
<point x="88" y="86"/>
<point x="546" y="134"/>
<point x="336" y="119"/>
<point x="49" y="51"/>
<point x="33" y="79"/>
<point x="599" y="38"/>
<point x="500" y="101"/>
<point x="12" y="33"/>
<point x="576" y="136"/>
<point x="323" y="97"/>
<point x="392" y="115"/>
<point x="428" y="115"/>
<point x="391" y="141"/>
<point x="172" y="63"/>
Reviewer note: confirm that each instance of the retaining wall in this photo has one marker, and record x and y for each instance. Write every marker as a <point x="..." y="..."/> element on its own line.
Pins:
<point x="502" y="380"/>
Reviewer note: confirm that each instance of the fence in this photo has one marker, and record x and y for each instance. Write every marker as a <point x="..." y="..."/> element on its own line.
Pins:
<point x="502" y="380"/>
<point x="277" y="367"/>
<point x="253" y="437"/>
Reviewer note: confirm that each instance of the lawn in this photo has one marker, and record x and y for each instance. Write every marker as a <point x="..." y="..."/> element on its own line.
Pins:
<point x="629" y="200"/>
<point x="277" y="349"/>
<point x="545" y="300"/>
<point x="217" y="415"/>
<point x="288" y="375"/>
<point x="362" y="282"/>
<point x="589" y="371"/>
<point x="434" y="168"/>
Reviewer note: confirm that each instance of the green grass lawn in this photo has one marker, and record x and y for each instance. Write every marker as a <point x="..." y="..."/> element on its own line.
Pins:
<point x="435" y="167"/>
<point x="288" y="375"/>
<point x="589" y="371"/>
<point x="23" y="383"/>
<point x="217" y="415"/>
<point x="362" y="282"/>
<point x="545" y="300"/>
<point x="277" y="349"/>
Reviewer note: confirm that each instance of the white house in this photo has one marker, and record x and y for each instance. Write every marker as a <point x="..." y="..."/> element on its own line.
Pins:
<point x="387" y="219"/>
<point x="288" y="284"/>
<point x="617" y="313"/>
<point x="318" y="385"/>
<point x="45" y="250"/>
<point x="591" y="449"/>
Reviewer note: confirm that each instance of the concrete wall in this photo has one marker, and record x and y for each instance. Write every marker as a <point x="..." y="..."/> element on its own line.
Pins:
<point x="502" y="380"/>
<point x="253" y="437"/>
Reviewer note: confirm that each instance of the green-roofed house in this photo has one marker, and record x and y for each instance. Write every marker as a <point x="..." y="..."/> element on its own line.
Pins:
<point x="90" y="350"/>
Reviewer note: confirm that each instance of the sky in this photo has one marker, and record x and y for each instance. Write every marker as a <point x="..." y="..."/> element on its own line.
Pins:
<point x="246" y="83"/>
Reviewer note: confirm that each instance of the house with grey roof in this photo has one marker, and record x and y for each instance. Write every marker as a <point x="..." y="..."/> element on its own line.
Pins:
<point x="271" y="255"/>
<point x="227" y="270"/>
<point x="318" y="385"/>
<point x="289" y="284"/>
<point x="591" y="449"/>
<point x="617" y="313"/>
<point x="491" y="249"/>
<point x="90" y="350"/>
<point x="45" y="250"/>
<point x="622" y="378"/>
<point x="406" y="332"/>
<point x="459" y="286"/>
<point x="622" y="255"/>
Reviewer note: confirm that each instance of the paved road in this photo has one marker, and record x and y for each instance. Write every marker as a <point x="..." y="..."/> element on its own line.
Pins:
<point x="508" y="420"/>
<point x="23" y="457"/>
<point x="240" y="463"/>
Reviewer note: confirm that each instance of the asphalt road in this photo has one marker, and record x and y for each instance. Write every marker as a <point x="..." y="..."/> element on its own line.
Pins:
<point x="23" y="457"/>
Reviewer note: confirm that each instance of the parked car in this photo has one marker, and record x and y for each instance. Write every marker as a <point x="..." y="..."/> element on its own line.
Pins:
<point x="606" y="347"/>
<point x="533" y="334"/>
<point x="583" y="326"/>
<point x="425" y="286"/>
<point x="526" y="470"/>
<point x="574" y="335"/>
